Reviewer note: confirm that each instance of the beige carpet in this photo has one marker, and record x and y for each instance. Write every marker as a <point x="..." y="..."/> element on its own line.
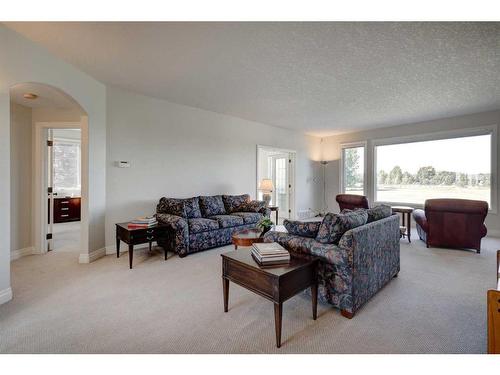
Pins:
<point x="66" y="236"/>
<point x="436" y="305"/>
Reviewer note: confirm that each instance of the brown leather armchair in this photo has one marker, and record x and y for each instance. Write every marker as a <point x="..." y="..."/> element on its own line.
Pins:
<point x="454" y="223"/>
<point x="351" y="201"/>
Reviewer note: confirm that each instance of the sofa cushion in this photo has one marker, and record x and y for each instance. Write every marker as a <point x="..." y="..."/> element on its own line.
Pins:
<point x="253" y="206"/>
<point x="233" y="203"/>
<point x="302" y="228"/>
<point x="249" y="217"/>
<point x="334" y="226"/>
<point x="228" y="221"/>
<point x="378" y="212"/>
<point x="375" y="213"/>
<point x="211" y="205"/>
<point x="197" y="225"/>
<point x="171" y="206"/>
<point x="192" y="208"/>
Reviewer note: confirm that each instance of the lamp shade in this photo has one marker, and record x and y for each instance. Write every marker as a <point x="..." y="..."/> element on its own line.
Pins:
<point x="266" y="185"/>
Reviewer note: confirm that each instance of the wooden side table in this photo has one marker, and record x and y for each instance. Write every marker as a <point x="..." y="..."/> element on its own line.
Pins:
<point x="137" y="236"/>
<point x="277" y="284"/>
<point x="405" y="212"/>
<point x="275" y="208"/>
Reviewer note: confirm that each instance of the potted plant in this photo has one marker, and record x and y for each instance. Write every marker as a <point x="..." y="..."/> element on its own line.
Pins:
<point x="265" y="224"/>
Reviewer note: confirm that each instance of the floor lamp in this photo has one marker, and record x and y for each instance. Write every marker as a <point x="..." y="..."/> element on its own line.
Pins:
<point x="324" y="163"/>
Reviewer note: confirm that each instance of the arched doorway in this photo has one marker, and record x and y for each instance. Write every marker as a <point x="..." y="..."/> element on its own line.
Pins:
<point x="48" y="129"/>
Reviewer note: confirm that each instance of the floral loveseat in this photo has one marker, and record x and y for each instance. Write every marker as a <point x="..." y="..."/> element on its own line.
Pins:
<point x="204" y="222"/>
<point x="358" y="252"/>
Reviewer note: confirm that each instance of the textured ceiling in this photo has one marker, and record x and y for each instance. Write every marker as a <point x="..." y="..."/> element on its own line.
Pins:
<point x="320" y="78"/>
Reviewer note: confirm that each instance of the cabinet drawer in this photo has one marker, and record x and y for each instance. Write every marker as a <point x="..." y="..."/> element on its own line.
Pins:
<point x="256" y="281"/>
<point x="67" y="209"/>
<point x="143" y="238"/>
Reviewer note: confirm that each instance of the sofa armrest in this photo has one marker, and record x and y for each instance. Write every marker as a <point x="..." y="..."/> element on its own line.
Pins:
<point x="484" y="231"/>
<point x="328" y="253"/>
<point x="180" y="229"/>
<point x="374" y="252"/>
<point x="302" y="228"/>
<point x="170" y="219"/>
<point x="420" y="219"/>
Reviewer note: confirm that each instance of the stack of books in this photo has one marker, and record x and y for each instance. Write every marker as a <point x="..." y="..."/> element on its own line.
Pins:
<point x="270" y="254"/>
<point x="143" y="222"/>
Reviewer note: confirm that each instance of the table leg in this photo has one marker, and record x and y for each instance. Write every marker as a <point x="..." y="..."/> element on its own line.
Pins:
<point x="278" y="314"/>
<point x="225" y="288"/>
<point x="165" y="250"/>
<point x="314" y="300"/>
<point x="277" y="217"/>
<point x="117" y="247"/>
<point x="235" y="247"/>
<point x="130" y="255"/>
<point x="150" y="246"/>
<point x="408" y="230"/>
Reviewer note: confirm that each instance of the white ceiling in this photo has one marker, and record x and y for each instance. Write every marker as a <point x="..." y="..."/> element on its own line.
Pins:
<point x="48" y="97"/>
<point x="320" y="78"/>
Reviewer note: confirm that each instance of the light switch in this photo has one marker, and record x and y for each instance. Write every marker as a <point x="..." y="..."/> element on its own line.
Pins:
<point x="122" y="164"/>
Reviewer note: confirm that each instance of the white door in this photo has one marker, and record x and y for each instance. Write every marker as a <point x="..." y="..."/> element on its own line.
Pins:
<point x="50" y="188"/>
<point x="282" y="185"/>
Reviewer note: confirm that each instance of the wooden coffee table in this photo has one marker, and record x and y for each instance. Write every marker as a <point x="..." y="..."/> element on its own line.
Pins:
<point x="277" y="284"/>
<point x="247" y="237"/>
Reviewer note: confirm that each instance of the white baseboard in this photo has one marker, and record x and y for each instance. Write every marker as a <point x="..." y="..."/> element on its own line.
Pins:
<point x="493" y="233"/>
<point x="16" y="254"/>
<point x="92" y="256"/>
<point x="5" y="295"/>
<point x="111" y="249"/>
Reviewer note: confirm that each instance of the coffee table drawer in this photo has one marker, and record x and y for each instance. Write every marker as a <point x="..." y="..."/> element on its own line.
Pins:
<point x="248" y="278"/>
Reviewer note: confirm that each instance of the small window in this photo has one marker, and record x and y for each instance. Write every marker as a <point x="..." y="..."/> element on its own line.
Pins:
<point x="353" y="169"/>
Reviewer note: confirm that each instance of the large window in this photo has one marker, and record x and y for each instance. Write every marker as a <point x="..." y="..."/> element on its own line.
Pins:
<point x="442" y="168"/>
<point x="353" y="169"/>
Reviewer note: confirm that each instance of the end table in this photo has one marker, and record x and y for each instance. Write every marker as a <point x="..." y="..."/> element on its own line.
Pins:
<point x="405" y="212"/>
<point x="137" y="236"/>
<point x="275" y="208"/>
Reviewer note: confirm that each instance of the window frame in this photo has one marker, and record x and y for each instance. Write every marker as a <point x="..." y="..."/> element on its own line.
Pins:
<point x="344" y="146"/>
<point x="449" y="134"/>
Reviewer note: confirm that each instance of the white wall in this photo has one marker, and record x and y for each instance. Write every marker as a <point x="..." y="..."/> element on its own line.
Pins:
<point x="21" y="177"/>
<point x="180" y="151"/>
<point x="47" y="114"/>
<point x="24" y="61"/>
<point x="331" y="150"/>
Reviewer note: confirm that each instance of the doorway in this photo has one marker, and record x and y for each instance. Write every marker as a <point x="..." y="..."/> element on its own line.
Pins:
<point x="41" y="113"/>
<point x="63" y="183"/>
<point x="278" y="166"/>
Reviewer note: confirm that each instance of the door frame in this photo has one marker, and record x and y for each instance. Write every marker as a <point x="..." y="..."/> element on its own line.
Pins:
<point x="292" y="173"/>
<point x="39" y="205"/>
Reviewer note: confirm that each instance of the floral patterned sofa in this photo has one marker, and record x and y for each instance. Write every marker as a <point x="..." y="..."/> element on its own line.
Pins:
<point x="358" y="252"/>
<point x="204" y="222"/>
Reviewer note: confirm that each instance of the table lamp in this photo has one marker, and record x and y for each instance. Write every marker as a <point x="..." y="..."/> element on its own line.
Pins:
<point x="266" y="186"/>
